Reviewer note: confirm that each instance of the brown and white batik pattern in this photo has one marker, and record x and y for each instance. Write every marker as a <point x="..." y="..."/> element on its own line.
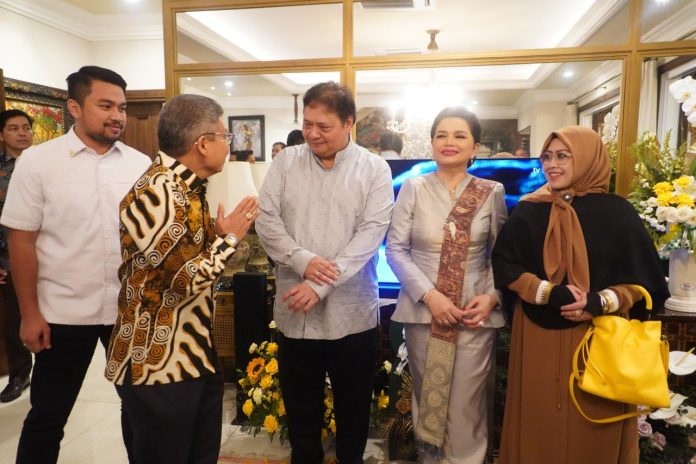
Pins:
<point x="171" y="260"/>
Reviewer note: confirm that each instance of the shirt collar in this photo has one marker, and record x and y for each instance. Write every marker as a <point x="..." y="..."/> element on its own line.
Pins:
<point x="77" y="146"/>
<point x="189" y="177"/>
<point x="341" y="155"/>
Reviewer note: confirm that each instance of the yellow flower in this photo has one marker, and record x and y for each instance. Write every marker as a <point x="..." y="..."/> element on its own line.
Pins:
<point x="281" y="408"/>
<point x="683" y="181"/>
<point x="272" y="367"/>
<point x="275" y="395"/>
<point x="662" y="187"/>
<point x="272" y="348"/>
<point x="663" y="199"/>
<point x="248" y="408"/>
<point x="254" y="369"/>
<point x="383" y="400"/>
<point x="332" y="426"/>
<point x="266" y="381"/>
<point x="270" y="423"/>
<point x="683" y="199"/>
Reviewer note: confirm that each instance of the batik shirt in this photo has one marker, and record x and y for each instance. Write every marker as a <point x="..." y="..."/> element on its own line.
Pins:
<point x="7" y="164"/>
<point x="171" y="260"/>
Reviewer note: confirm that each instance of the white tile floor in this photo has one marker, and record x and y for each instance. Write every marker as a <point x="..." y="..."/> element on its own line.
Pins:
<point x="93" y="432"/>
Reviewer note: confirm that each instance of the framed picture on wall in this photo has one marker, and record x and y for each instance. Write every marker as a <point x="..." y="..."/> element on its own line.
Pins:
<point x="248" y="135"/>
<point x="46" y="105"/>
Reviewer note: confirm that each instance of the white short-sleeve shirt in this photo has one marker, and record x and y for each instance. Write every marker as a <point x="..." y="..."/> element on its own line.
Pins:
<point x="71" y="195"/>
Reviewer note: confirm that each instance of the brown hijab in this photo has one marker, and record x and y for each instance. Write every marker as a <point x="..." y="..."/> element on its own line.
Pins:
<point x="564" y="245"/>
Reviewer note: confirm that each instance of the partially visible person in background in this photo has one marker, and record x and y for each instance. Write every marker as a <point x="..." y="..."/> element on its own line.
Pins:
<point x="503" y="154"/>
<point x="521" y="153"/>
<point x="295" y="137"/>
<point x="17" y="135"/>
<point x="390" y="145"/>
<point x="277" y="147"/>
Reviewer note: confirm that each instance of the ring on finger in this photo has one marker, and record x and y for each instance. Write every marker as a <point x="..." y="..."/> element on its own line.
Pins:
<point x="248" y="215"/>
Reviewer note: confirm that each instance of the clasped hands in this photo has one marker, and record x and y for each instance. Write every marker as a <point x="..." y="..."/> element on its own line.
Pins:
<point x="302" y="297"/>
<point x="573" y="303"/>
<point x="473" y="315"/>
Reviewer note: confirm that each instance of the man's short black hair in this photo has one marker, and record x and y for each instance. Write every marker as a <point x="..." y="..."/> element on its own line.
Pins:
<point x="295" y="137"/>
<point x="8" y="114"/>
<point x="390" y="141"/>
<point x="336" y="98"/>
<point x="80" y="82"/>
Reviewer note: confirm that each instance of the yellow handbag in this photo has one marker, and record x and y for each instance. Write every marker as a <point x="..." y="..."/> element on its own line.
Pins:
<point x="624" y="361"/>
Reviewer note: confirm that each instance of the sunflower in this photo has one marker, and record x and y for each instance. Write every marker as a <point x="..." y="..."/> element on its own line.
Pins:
<point x="254" y="369"/>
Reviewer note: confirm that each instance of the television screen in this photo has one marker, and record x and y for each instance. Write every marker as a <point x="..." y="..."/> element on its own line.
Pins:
<point x="519" y="176"/>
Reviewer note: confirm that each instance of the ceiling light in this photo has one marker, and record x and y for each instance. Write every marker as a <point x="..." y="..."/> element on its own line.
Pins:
<point x="229" y="84"/>
<point x="568" y="74"/>
<point x="212" y="87"/>
<point x="229" y="94"/>
<point x="188" y="78"/>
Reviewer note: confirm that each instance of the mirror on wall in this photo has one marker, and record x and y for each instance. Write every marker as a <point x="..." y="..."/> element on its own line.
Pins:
<point x="260" y="34"/>
<point x="260" y="109"/>
<point x="667" y="20"/>
<point x="453" y="26"/>
<point x="518" y="105"/>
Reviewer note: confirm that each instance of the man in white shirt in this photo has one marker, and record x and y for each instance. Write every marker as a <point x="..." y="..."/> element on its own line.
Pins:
<point x="325" y="207"/>
<point x="61" y="213"/>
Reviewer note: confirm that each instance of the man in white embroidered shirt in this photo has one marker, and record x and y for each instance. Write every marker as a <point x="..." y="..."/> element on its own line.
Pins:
<point x="61" y="213"/>
<point x="325" y="207"/>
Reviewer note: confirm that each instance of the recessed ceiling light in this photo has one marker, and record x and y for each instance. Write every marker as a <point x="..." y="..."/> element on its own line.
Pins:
<point x="229" y="94"/>
<point x="188" y="78"/>
<point x="229" y="84"/>
<point x="568" y="74"/>
<point x="132" y="1"/>
<point x="212" y="87"/>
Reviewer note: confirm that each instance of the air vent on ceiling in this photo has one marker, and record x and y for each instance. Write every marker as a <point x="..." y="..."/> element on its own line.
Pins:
<point x="383" y="4"/>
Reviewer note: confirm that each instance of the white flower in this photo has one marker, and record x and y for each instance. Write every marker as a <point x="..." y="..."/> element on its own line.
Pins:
<point x="258" y="395"/>
<point x="684" y="213"/>
<point x="689" y="106"/>
<point x="403" y="352"/>
<point x="272" y="325"/>
<point x="671" y="214"/>
<point x="652" y="202"/>
<point x="683" y="88"/>
<point x="387" y="366"/>
<point x="692" y="118"/>
<point x="661" y="213"/>
<point x="692" y="220"/>
<point x="648" y="210"/>
<point x="252" y="348"/>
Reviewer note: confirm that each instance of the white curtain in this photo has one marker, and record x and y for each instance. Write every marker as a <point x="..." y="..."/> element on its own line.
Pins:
<point x="647" y="114"/>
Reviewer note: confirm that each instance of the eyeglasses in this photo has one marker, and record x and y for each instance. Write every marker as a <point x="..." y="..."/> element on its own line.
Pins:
<point x="229" y="136"/>
<point x="561" y="157"/>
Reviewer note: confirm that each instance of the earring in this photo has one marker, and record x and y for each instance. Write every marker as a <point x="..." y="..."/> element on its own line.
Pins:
<point x="470" y="162"/>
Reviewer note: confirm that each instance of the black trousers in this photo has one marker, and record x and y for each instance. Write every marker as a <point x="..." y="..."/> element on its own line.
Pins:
<point x="18" y="357"/>
<point x="351" y="365"/>
<point x="174" y="423"/>
<point x="56" y="382"/>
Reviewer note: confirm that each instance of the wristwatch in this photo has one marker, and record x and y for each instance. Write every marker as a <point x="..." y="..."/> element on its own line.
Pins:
<point x="231" y="240"/>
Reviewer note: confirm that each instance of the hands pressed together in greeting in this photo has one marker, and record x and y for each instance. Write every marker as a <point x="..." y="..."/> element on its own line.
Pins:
<point x="302" y="297"/>
<point x="474" y="314"/>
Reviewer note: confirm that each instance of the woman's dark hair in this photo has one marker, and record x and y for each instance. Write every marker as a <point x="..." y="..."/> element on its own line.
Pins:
<point x="461" y="113"/>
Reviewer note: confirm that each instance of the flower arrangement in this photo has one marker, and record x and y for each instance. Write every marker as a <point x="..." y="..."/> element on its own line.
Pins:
<point x="610" y="135"/>
<point x="684" y="91"/>
<point x="664" y="434"/>
<point x="664" y="193"/>
<point x="264" y="407"/>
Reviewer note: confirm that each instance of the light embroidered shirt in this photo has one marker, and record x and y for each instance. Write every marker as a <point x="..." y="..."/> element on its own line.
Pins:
<point x="171" y="261"/>
<point x="340" y="214"/>
<point x="70" y="195"/>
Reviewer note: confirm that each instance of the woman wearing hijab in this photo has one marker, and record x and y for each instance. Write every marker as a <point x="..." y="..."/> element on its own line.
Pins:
<point x="570" y="250"/>
<point x="439" y="243"/>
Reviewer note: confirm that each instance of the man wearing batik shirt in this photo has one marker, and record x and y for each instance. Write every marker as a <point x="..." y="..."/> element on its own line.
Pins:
<point x="162" y="357"/>
<point x="17" y="135"/>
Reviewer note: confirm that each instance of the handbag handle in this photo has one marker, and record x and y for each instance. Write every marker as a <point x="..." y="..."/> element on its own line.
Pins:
<point x="583" y="349"/>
